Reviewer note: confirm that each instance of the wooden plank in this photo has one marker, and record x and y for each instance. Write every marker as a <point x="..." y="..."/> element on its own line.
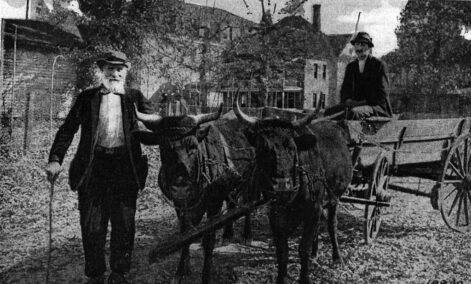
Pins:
<point x="397" y="187"/>
<point x="177" y="240"/>
<point x="416" y="129"/>
<point x="356" y="200"/>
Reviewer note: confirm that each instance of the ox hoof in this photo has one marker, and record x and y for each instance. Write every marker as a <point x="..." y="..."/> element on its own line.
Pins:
<point x="226" y="241"/>
<point x="283" y="280"/>
<point x="337" y="262"/>
<point x="177" y="280"/>
<point x="314" y="261"/>
<point x="304" y="281"/>
<point x="248" y="241"/>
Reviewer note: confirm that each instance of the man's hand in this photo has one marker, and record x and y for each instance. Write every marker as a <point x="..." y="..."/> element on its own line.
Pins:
<point x="362" y="111"/>
<point x="349" y="102"/>
<point x="52" y="171"/>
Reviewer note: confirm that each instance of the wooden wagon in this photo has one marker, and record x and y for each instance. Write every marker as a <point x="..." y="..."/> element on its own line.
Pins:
<point x="435" y="149"/>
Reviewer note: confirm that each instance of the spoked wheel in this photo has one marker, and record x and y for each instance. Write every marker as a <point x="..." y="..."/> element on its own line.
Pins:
<point x="357" y="187"/>
<point x="454" y="196"/>
<point x="379" y="181"/>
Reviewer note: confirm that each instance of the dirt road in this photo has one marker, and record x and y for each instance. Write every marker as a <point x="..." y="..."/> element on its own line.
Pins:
<point x="413" y="245"/>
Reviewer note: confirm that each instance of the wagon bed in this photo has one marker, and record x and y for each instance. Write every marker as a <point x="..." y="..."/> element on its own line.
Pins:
<point x="436" y="149"/>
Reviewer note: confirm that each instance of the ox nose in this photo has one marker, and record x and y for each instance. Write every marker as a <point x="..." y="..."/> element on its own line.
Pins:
<point x="282" y="184"/>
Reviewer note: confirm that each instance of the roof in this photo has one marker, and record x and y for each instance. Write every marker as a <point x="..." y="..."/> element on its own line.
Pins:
<point x="338" y="42"/>
<point x="213" y="14"/>
<point x="316" y="42"/>
<point x="34" y="32"/>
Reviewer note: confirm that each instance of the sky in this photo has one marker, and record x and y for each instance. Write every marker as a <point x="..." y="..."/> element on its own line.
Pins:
<point x="378" y="17"/>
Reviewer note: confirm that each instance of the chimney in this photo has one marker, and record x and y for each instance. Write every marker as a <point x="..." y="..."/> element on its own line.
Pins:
<point x="316" y="17"/>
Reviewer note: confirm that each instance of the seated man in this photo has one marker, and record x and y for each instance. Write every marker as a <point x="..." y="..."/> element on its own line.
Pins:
<point x="364" y="90"/>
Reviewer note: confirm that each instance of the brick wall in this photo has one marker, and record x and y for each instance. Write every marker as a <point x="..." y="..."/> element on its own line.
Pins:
<point x="33" y="75"/>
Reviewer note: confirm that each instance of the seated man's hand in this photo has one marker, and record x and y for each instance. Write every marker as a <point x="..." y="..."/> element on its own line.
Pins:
<point x="362" y="111"/>
<point x="349" y="102"/>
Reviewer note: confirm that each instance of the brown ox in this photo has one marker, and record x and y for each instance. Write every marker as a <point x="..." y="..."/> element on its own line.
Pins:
<point x="303" y="167"/>
<point x="198" y="172"/>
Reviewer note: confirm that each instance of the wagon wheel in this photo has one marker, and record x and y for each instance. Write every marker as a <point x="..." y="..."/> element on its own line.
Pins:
<point x="454" y="196"/>
<point x="379" y="180"/>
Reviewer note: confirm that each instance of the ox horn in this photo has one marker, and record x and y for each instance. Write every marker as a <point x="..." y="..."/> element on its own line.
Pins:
<point x="308" y="118"/>
<point x="207" y="117"/>
<point x="152" y="119"/>
<point x="249" y="120"/>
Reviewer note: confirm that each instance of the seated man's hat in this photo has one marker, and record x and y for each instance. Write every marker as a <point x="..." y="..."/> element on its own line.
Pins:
<point x="113" y="57"/>
<point x="362" y="37"/>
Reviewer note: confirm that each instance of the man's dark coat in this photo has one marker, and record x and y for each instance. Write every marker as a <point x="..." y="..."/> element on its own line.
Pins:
<point x="85" y="113"/>
<point x="372" y="85"/>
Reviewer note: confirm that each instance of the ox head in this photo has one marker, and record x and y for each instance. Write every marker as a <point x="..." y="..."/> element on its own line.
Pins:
<point x="276" y="142"/>
<point x="181" y="154"/>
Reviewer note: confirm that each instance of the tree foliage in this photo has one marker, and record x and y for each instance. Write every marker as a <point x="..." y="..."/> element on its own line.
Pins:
<point x="294" y="7"/>
<point x="124" y="24"/>
<point x="431" y="50"/>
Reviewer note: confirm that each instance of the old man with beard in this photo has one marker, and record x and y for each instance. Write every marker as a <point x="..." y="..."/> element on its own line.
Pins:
<point x="108" y="169"/>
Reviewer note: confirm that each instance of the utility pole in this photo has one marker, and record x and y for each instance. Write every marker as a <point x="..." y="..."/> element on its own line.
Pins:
<point x="27" y="10"/>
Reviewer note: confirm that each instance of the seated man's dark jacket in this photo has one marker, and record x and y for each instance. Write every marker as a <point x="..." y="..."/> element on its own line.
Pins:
<point x="85" y="113"/>
<point x="371" y="85"/>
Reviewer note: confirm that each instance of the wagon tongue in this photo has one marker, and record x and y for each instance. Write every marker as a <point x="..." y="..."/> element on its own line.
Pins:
<point x="176" y="241"/>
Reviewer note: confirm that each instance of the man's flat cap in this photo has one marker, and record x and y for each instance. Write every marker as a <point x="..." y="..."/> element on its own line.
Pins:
<point x="113" y="57"/>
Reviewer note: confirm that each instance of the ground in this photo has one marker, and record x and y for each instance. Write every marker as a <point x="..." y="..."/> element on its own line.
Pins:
<point x="413" y="245"/>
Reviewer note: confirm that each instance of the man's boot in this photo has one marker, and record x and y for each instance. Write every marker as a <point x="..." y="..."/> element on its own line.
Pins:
<point x="96" y="280"/>
<point x="117" y="278"/>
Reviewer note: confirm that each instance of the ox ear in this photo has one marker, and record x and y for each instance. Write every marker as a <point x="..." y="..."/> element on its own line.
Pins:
<point x="202" y="132"/>
<point x="305" y="142"/>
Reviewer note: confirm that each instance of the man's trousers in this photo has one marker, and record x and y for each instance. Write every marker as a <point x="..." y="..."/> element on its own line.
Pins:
<point x="109" y="196"/>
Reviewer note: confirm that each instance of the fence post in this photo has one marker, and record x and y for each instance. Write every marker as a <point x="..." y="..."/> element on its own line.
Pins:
<point x="27" y="114"/>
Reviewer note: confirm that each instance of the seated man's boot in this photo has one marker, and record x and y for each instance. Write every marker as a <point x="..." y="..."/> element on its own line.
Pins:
<point x="96" y="280"/>
<point x="117" y="278"/>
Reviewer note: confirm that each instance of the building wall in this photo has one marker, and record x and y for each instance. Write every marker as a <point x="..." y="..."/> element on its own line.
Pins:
<point x="341" y="66"/>
<point x="33" y="74"/>
<point x="316" y="86"/>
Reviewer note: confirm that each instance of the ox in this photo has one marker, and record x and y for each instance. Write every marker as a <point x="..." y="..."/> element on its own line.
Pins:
<point x="199" y="171"/>
<point x="303" y="168"/>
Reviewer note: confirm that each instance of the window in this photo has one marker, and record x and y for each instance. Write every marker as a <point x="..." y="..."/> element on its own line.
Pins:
<point x="314" y="100"/>
<point x="316" y="67"/>
<point x="322" y="102"/>
<point x="324" y="71"/>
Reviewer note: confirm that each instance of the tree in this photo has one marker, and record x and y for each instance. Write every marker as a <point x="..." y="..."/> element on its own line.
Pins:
<point x="124" y="24"/>
<point x="293" y="7"/>
<point x="431" y="50"/>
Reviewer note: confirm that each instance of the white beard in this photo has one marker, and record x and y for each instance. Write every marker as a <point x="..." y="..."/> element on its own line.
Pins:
<point x="114" y="86"/>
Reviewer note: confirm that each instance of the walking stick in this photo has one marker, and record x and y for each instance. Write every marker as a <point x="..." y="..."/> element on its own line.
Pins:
<point x="51" y="195"/>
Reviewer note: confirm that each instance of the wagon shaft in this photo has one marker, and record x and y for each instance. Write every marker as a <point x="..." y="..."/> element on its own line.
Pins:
<point x="177" y="240"/>
<point x="350" y="199"/>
